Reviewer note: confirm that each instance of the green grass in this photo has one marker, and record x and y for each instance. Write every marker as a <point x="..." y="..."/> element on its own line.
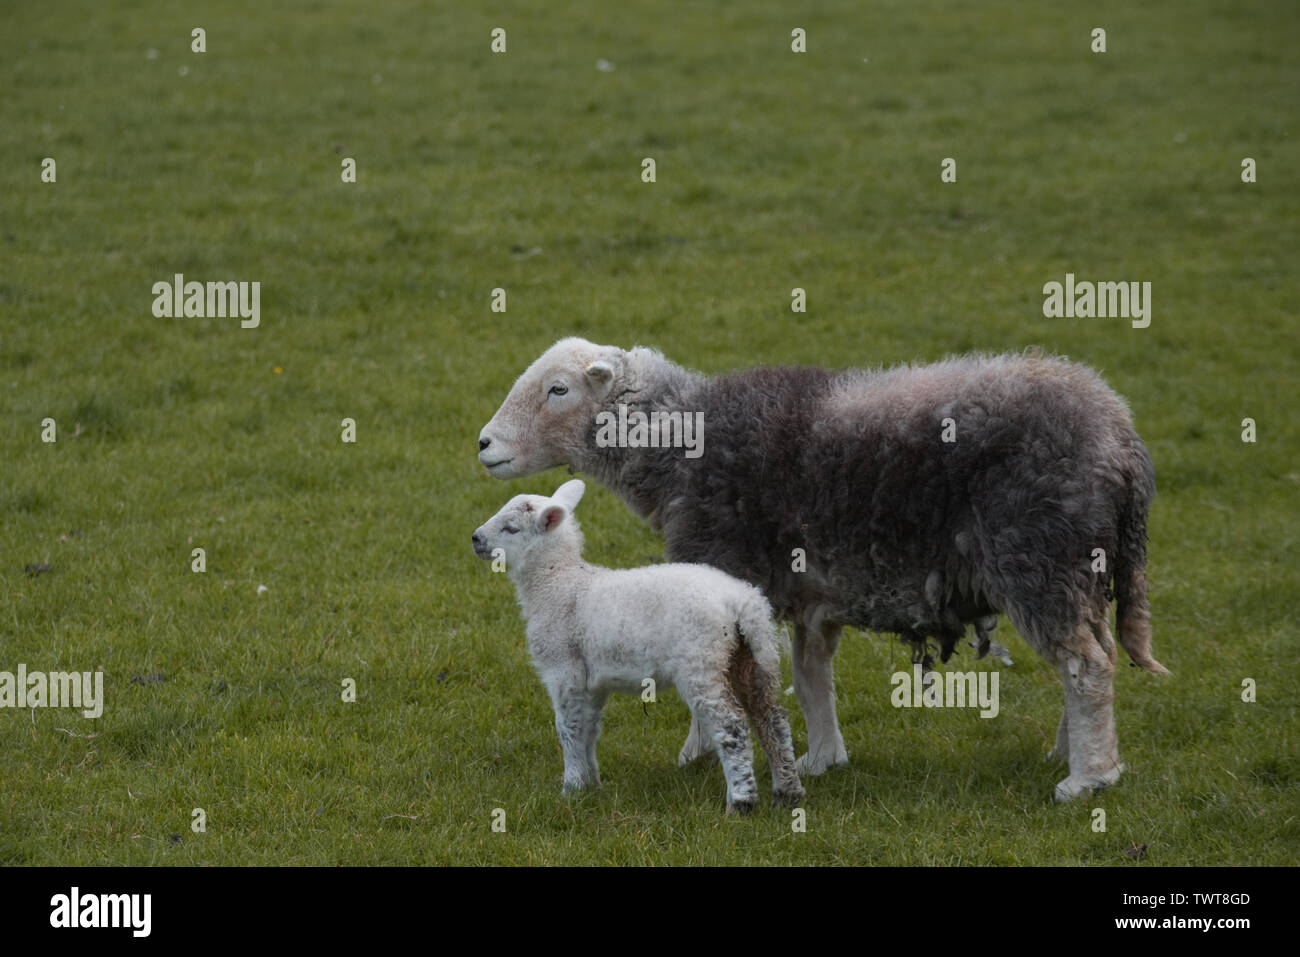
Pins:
<point x="775" y="170"/>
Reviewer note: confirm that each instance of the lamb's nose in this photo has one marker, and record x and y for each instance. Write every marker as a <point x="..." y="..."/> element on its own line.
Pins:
<point x="483" y="443"/>
<point x="477" y="539"/>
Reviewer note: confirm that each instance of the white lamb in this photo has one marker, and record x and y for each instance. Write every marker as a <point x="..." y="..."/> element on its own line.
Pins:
<point x="593" y="631"/>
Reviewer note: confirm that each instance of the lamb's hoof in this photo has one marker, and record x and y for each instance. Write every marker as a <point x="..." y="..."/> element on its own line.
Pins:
<point x="741" y="808"/>
<point x="788" y="798"/>
<point x="1073" y="787"/>
<point x="808" y="764"/>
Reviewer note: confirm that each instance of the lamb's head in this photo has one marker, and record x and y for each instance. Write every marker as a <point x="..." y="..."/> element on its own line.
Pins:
<point x="530" y="526"/>
<point x="545" y="419"/>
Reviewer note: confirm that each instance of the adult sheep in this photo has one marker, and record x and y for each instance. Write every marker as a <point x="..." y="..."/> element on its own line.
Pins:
<point x="923" y="498"/>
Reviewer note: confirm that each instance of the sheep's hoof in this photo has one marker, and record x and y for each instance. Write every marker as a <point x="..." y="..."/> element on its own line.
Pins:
<point x="808" y="765"/>
<point x="741" y="808"/>
<point x="1073" y="787"/>
<point x="686" y="757"/>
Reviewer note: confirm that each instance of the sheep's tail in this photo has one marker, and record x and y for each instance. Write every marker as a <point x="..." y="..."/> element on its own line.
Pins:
<point x="754" y="628"/>
<point x="1132" y="609"/>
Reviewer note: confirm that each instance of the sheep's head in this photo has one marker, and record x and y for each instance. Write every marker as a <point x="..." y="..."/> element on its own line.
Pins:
<point x="528" y="523"/>
<point x="545" y="419"/>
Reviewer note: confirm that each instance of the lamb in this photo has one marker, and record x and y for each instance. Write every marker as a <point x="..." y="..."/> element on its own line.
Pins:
<point x="913" y="500"/>
<point x="593" y="631"/>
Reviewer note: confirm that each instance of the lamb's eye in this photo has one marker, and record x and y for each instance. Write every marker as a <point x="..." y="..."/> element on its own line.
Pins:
<point x="510" y="531"/>
<point x="558" y="389"/>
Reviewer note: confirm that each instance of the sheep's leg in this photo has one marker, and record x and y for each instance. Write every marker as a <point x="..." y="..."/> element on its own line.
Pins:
<point x="575" y="713"/>
<point x="814" y="685"/>
<point x="698" y="745"/>
<point x="1087" y="667"/>
<point x="718" y="711"/>
<point x="985" y="643"/>
<point x="1061" y="750"/>
<point x="1001" y="653"/>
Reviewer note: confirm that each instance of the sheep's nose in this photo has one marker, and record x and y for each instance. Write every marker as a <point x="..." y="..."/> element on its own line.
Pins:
<point x="483" y="443"/>
<point x="477" y="539"/>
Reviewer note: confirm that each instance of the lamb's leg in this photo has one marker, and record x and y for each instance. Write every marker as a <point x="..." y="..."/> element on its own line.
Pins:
<point x="760" y="697"/>
<point x="593" y="735"/>
<point x="814" y="684"/>
<point x="718" y="711"/>
<point x="774" y="732"/>
<point x="1087" y="667"/>
<point x="574" y="714"/>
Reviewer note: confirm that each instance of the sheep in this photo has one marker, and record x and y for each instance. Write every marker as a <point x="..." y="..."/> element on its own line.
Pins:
<point x="912" y="500"/>
<point x="593" y="631"/>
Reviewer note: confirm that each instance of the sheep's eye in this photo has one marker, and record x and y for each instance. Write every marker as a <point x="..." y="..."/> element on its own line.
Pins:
<point x="558" y="390"/>
<point x="510" y="531"/>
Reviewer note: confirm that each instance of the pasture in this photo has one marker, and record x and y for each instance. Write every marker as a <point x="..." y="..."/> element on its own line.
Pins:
<point x="523" y="171"/>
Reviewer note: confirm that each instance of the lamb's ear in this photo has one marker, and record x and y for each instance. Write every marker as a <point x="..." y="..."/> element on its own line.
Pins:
<point x="570" y="493"/>
<point x="550" y="518"/>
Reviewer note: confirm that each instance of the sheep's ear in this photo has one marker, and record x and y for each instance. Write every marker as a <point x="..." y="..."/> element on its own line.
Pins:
<point x="570" y="493"/>
<point x="550" y="518"/>
<point x="600" y="372"/>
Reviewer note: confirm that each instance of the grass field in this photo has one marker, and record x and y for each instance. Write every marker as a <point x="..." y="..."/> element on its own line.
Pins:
<point x="521" y="170"/>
